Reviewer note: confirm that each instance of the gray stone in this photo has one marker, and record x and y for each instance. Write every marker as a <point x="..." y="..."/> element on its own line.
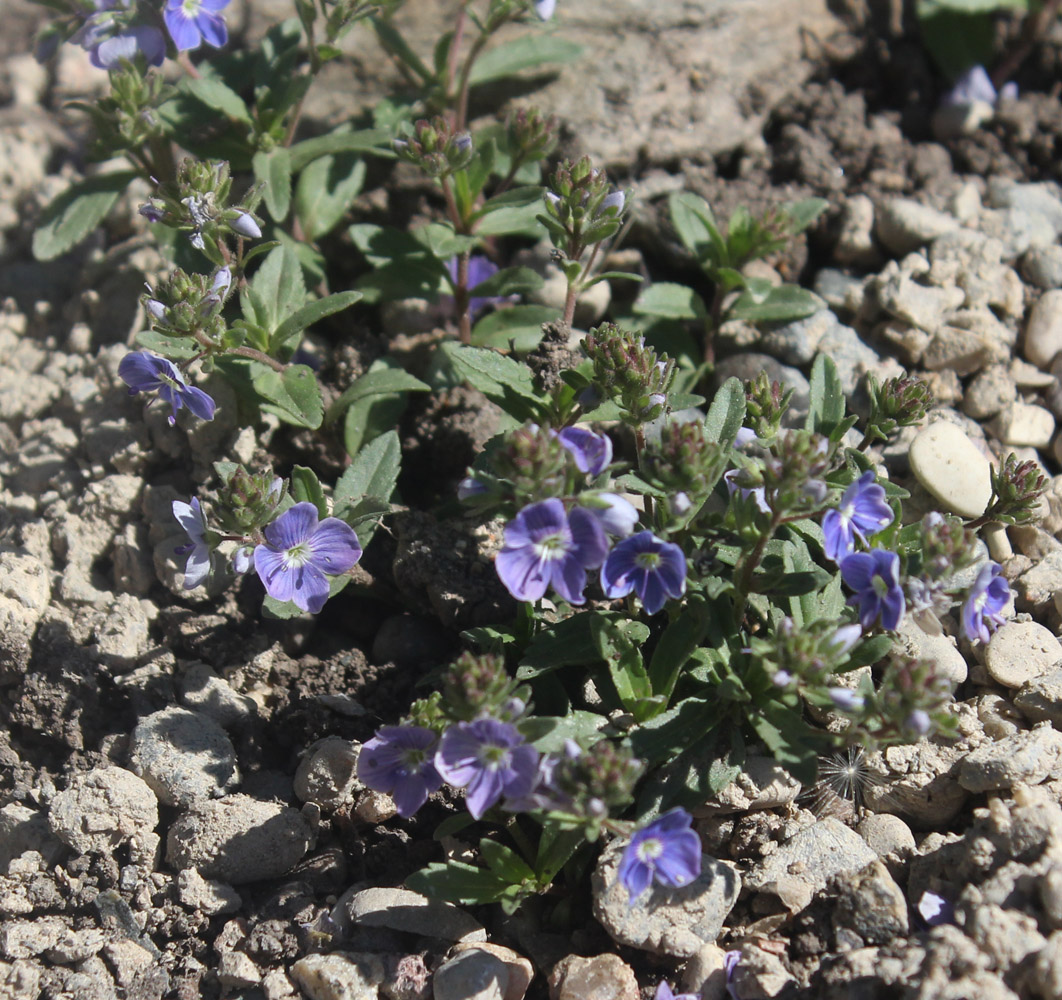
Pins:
<point x="919" y="784"/>
<point x="940" y="650"/>
<point x="797" y="343"/>
<point x="603" y="977"/>
<point x="841" y="292"/>
<point x="206" y="895"/>
<point x="919" y="305"/>
<point x="1040" y="199"/>
<point x="852" y="357"/>
<point x="237" y="971"/>
<point x="870" y="909"/>
<point x="103" y="808"/>
<point x="238" y="839"/>
<point x="951" y="467"/>
<point x="705" y="974"/>
<point x="989" y="392"/>
<point x="1043" y="331"/>
<point x="1024" y="424"/>
<point x="184" y="756"/>
<point x="204" y="691"/>
<point x="1025" y="758"/>
<point x="1042" y="267"/>
<point x="518" y="969"/>
<point x="402" y="910"/>
<point x="1017" y="229"/>
<point x="904" y="225"/>
<point x="762" y="784"/>
<point x="675" y="922"/>
<point x="1041" y="698"/>
<point x="326" y="775"/>
<point x="471" y="975"/>
<point x="760" y="974"/>
<point x="1019" y="652"/>
<point x="887" y="836"/>
<point x="26" y="938"/>
<point x="339" y="976"/>
<point x="23" y="829"/>
<point x="855" y="239"/>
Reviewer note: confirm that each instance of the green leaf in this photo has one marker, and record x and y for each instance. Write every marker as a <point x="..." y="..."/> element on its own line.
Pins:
<point x="276" y="291"/>
<point x="325" y="191"/>
<point x="309" y="314"/>
<point x="371" y="140"/>
<point x="457" y="882"/>
<point x="368" y="418"/>
<point x="671" y="301"/>
<point x="502" y="380"/>
<point x="78" y="210"/>
<point x="391" y="39"/>
<point x="827" y="403"/>
<point x="726" y="415"/>
<point x="519" y="325"/>
<point x="504" y="862"/>
<point x="294" y="396"/>
<point x="376" y="382"/>
<point x="868" y="652"/>
<point x="508" y="281"/>
<point x="957" y="39"/>
<point x="176" y="348"/>
<point x="676" y="646"/>
<point x="618" y="644"/>
<point x="523" y="52"/>
<point x="512" y="220"/>
<point x="569" y="642"/>
<point x="784" y="302"/>
<point x="217" y="95"/>
<point x="548" y="733"/>
<point x="696" y="227"/>
<point x="273" y="171"/>
<point x="373" y="473"/>
<point x="804" y="212"/>
<point x="306" y="488"/>
<point x="789" y="738"/>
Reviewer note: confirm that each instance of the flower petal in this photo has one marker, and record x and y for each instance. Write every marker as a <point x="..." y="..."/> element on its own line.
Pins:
<point x="273" y="571"/>
<point x="140" y="371"/>
<point x="589" y="538"/>
<point x="310" y="590"/>
<point x="197" y="569"/>
<point x="182" y="29"/>
<point x="201" y="404"/>
<point x="334" y="547"/>
<point x="522" y="573"/>
<point x="213" y="28"/>
<point x="294" y="527"/>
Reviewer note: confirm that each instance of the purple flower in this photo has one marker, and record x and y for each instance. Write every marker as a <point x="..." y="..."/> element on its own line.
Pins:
<point x="919" y="722"/>
<point x="243" y="559"/>
<point x="190" y="517"/>
<point x="400" y="760"/>
<point x="144" y="372"/>
<point x="875" y="578"/>
<point x="666" y="851"/>
<point x="846" y="699"/>
<point x="613" y="203"/>
<point x="106" y="53"/>
<point x="863" y="511"/>
<point x="152" y="212"/>
<point x="544" y="546"/>
<point x="244" y="225"/>
<point x="756" y="493"/>
<point x="617" y="516"/>
<point x="544" y="8"/>
<point x="542" y="794"/>
<point x="782" y="678"/>
<point x="489" y="759"/>
<point x="470" y="487"/>
<point x="592" y="452"/>
<point x="654" y="569"/>
<point x="191" y="22"/>
<point x="982" y="612"/>
<point x="300" y="554"/>
<point x="934" y="909"/>
<point x="845" y="638"/>
<point x="731" y="960"/>
<point x="974" y="85"/>
<point x="664" y="992"/>
<point x="480" y="268"/>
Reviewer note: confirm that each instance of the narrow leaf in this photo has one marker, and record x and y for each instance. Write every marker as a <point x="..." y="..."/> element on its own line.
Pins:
<point x="524" y="52"/>
<point x="78" y="210"/>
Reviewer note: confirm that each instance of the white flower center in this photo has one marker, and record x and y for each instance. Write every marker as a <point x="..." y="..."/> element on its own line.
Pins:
<point x="296" y="556"/>
<point x="647" y="560"/>
<point x="551" y="547"/>
<point x="650" y="849"/>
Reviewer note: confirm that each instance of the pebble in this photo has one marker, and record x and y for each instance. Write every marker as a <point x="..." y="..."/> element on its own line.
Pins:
<point x="403" y="910"/>
<point x="1043" y="332"/>
<point x="887" y="835"/>
<point x="870" y="908"/>
<point x="237" y="971"/>
<point x="326" y="775"/>
<point x="990" y="391"/>
<point x="855" y="239"/>
<point x="1019" y="652"/>
<point x="1024" y="424"/>
<point x="1017" y="229"/>
<point x="762" y="784"/>
<point x="471" y="975"/>
<point x="674" y="922"/>
<point x="903" y="225"/>
<point x="1036" y="198"/>
<point x="1041" y="698"/>
<point x="1025" y="758"/>
<point x="950" y="466"/>
<point x="103" y="808"/>
<point x="705" y="973"/>
<point x="519" y="969"/>
<point x="206" y="895"/>
<point x="603" y="977"/>
<point x="184" y="756"/>
<point x="339" y="976"/>
<point x="1042" y="266"/>
<point x="23" y="829"/>
<point x="204" y="691"/>
<point x="940" y="650"/>
<point x="238" y="839"/>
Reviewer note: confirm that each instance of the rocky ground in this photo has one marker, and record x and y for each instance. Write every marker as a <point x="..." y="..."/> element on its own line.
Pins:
<point x="179" y="812"/>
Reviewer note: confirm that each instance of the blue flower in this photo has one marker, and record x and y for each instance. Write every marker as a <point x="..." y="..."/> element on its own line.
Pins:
<point x="191" y="22"/>
<point x="919" y="722"/>
<point x="974" y="85"/>
<point x="244" y="225"/>
<point x="489" y="759"/>
<point x="935" y="910"/>
<point x="664" y="992"/>
<point x="846" y="699"/>
<point x="400" y="760"/>
<point x="190" y="516"/>
<point x="654" y="569"/>
<point x="544" y="8"/>
<point x="591" y="451"/>
<point x="144" y="372"/>
<point x="544" y="546"/>
<point x="480" y="268"/>
<point x="863" y="511"/>
<point x="875" y="578"/>
<point x="617" y="516"/>
<point x="982" y="610"/>
<point x="666" y="851"/>
<point x="731" y="960"/>
<point x="300" y="553"/>
<point x="109" y="52"/>
<point x="757" y="494"/>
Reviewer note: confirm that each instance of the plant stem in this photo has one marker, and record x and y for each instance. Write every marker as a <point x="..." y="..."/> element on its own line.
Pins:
<point x="466" y="76"/>
<point x="713" y="324"/>
<point x="748" y="567"/>
<point x="455" y="48"/>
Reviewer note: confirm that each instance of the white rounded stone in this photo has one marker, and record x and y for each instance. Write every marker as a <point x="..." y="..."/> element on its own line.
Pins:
<point x="1043" y="333"/>
<point x="1023" y="424"/>
<point x="948" y="464"/>
<point x="1020" y="652"/>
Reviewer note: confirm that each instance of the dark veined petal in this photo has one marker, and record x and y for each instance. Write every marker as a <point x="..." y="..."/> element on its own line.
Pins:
<point x="650" y="590"/>
<point x="293" y="527"/>
<point x="140" y="371"/>
<point x="213" y="28"/>
<point x="589" y="538"/>
<point x="334" y="547"/>
<point x="199" y="402"/>
<point x="190" y="517"/>
<point x="634" y="873"/>
<point x="522" y="573"/>
<point x="272" y="570"/>
<point x="311" y="588"/>
<point x="483" y="791"/>
<point x="568" y="578"/>
<point x="182" y="29"/>
<point x="680" y="862"/>
<point x="857" y="570"/>
<point x="892" y="608"/>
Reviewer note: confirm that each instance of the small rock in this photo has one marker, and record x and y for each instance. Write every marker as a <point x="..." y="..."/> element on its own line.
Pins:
<point x="1024" y="424"/>
<point x="762" y="784"/>
<point x="855" y="239"/>
<point x="1019" y="652"/>
<point x="675" y="922"/>
<point x="519" y="969"/>
<point x="705" y="973"/>
<point x="471" y="975"/>
<point x="1037" y="198"/>
<point x="339" y="976"/>
<point x="887" y="836"/>
<point x="1043" y="332"/>
<point x="102" y="809"/>
<point x="1017" y="229"/>
<point x="237" y="971"/>
<point x="604" y="977"/>
<point x="205" y="895"/>
<point x="184" y="756"/>
<point x="940" y="650"/>
<point x="991" y="391"/>
<point x="402" y="910"/>
<point x="813" y="856"/>
<point x="760" y="974"/>
<point x="26" y="938"/>
<point x="23" y="829"/>
<point x="204" y="691"/>
<point x="904" y="225"/>
<point x="1025" y="758"/>
<point x="1042" y="266"/>
<point x="327" y="774"/>
<point x="870" y="908"/>
<point x="950" y="466"/>
<point x="238" y="839"/>
<point x="1041" y="698"/>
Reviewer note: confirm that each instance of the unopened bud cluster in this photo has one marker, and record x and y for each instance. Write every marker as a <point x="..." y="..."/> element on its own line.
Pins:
<point x="188" y="304"/>
<point x="1016" y="490"/>
<point x="598" y="780"/>
<point x="436" y="148"/>
<point x="531" y="136"/>
<point x="479" y="686"/>
<point x="535" y="464"/>
<point x="580" y="210"/>
<point x="683" y="460"/>
<point x="808" y="656"/>
<point x="895" y="403"/>
<point x="247" y="501"/>
<point x="629" y="372"/>
<point x="765" y="405"/>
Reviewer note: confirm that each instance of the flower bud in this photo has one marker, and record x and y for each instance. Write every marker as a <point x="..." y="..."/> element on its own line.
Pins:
<point x="244" y="225"/>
